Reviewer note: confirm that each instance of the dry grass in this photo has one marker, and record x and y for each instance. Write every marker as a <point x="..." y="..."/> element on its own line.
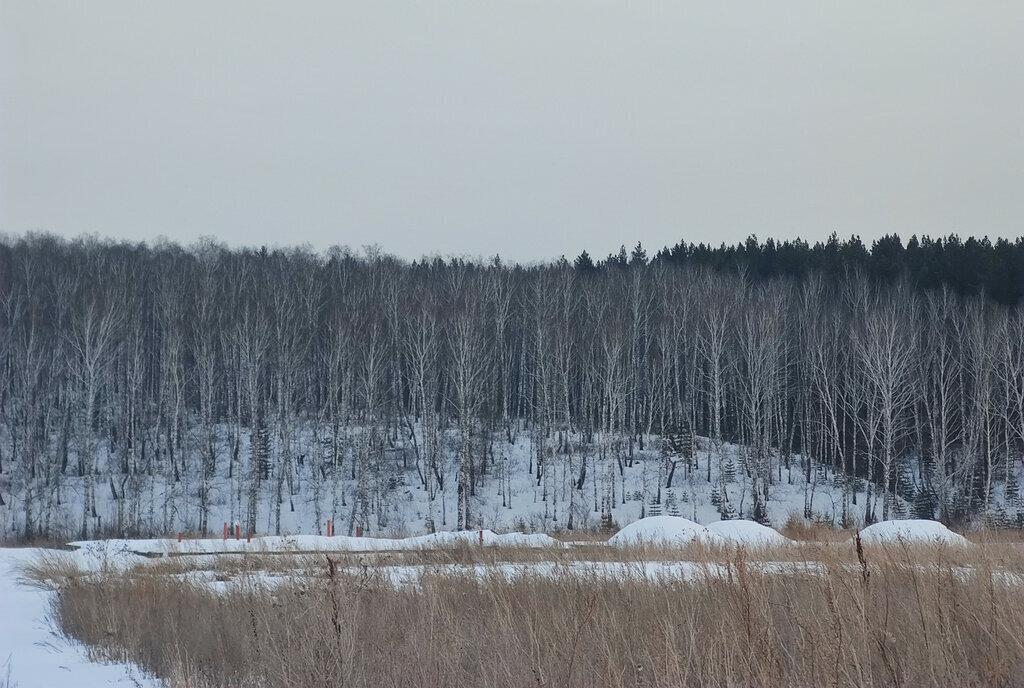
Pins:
<point x="591" y="535"/>
<point x="996" y="536"/>
<point x="897" y="615"/>
<point x="465" y="555"/>
<point x="50" y="570"/>
<point x="5" y="675"/>
<point x="800" y="529"/>
<point x="461" y="554"/>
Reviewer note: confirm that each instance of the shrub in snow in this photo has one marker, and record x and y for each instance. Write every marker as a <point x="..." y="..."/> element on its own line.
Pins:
<point x="664" y="530"/>
<point x="913" y="531"/>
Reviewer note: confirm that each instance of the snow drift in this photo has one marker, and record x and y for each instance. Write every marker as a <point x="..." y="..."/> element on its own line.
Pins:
<point x="665" y="530"/>
<point x="749" y="533"/>
<point x="912" y="531"/>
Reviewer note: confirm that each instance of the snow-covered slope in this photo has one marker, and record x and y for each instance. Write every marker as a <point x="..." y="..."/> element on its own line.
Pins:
<point x="617" y="488"/>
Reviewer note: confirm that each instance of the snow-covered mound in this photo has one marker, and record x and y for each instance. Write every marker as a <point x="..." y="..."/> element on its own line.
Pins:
<point x="749" y="533"/>
<point x="664" y="530"/>
<point x="912" y="531"/>
<point x="313" y="543"/>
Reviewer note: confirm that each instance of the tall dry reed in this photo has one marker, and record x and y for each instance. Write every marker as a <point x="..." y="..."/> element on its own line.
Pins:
<point x="894" y="616"/>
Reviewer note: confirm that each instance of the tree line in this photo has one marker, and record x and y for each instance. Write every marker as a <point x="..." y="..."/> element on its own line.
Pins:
<point x="124" y="362"/>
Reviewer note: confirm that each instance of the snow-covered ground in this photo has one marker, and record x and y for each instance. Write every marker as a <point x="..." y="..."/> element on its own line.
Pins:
<point x="623" y="484"/>
<point x="665" y="531"/>
<point x="312" y="543"/>
<point x="33" y="654"/>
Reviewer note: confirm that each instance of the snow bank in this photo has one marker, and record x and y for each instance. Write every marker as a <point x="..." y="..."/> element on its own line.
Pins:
<point x="664" y="530"/>
<point x="749" y="533"/>
<point x="312" y="543"/>
<point x="912" y="531"/>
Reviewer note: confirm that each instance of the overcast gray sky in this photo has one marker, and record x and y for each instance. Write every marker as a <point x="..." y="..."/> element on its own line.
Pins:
<point x="525" y="128"/>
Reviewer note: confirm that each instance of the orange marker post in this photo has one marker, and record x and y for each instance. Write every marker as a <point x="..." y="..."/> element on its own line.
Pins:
<point x="180" y="535"/>
<point x="248" y="537"/>
<point x="328" y="527"/>
<point x="225" y="530"/>
<point x="359" y="531"/>
<point x="481" y="538"/>
<point x="238" y="532"/>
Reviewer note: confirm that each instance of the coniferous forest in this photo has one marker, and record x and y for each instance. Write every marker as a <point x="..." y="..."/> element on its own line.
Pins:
<point x="128" y="369"/>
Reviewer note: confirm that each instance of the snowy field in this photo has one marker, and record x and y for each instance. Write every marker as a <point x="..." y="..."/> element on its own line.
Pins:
<point x="34" y="653"/>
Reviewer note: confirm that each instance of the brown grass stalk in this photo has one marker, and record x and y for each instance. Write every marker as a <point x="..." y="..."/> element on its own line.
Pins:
<point x="906" y="616"/>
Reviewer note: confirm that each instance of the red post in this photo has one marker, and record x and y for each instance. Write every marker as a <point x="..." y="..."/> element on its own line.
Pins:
<point x="225" y="530"/>
<point x="179" y="537"/>
<point x="359" y="531"/>
<point x="328" y="527"/>
<point x="248" y="537"/>
<point x="238" y="532"/>
<point x="481" y="538"/>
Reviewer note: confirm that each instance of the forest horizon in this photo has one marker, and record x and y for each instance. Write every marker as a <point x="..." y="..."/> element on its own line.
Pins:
<point x="899" y="367"/>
